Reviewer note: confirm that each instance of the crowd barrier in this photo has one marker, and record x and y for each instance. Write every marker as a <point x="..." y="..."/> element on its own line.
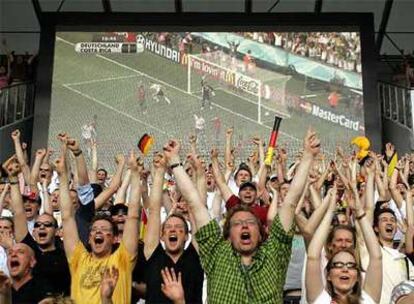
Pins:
<point x="396" y="104"/>
<point x="16" y="102"/>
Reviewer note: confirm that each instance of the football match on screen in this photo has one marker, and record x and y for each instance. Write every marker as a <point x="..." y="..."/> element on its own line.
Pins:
<point x="113" y="87"/>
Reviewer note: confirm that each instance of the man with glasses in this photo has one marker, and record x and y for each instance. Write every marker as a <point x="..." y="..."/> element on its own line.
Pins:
<point x="241" y="266"/>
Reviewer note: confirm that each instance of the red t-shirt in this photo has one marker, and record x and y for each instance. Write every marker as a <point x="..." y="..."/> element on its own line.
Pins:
<point x="259" y="211"/>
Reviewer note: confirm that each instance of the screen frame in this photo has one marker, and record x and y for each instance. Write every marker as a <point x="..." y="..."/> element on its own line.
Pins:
<point x="220" y="22"/>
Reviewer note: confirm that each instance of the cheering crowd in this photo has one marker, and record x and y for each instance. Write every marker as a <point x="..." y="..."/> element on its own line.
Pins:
<point x="193" y="230"/>
<point x="342" y="50"/>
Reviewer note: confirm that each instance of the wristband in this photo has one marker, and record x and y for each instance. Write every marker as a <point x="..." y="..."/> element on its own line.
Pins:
<point x="77" y="153"/>
<point x="360" y="216"/>
<point x="176" y="165"/>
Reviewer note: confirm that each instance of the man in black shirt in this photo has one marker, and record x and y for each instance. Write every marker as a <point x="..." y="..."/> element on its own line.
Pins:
<point x="174" y="234"/>
<point x="51" y="264"/>
<point x="25" y="288"/>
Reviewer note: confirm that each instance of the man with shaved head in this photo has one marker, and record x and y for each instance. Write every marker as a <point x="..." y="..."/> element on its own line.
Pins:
<point x="25" y="288"/>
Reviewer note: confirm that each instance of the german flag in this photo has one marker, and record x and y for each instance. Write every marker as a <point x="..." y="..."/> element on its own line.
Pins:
<point x="145" y="143"/>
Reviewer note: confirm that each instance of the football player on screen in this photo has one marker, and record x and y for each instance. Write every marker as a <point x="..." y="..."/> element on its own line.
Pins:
<point x="141" y="95"/>
<point x="207" y="92"/>
<point x="158" y="93"/>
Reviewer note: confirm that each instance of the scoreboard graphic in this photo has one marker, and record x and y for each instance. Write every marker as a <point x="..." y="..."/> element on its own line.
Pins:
<point x="110" y="43"/>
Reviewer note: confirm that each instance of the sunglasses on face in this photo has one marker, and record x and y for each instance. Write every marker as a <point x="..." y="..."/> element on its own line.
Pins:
<point x="341" y="265"/>
<point x="45" y="224"/>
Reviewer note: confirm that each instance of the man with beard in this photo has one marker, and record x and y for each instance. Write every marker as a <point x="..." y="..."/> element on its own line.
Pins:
<point x="174" y="233"/>
<point x="86" y="267"/>
<point x="25" y="287"/>
<point x="240" y="266"/>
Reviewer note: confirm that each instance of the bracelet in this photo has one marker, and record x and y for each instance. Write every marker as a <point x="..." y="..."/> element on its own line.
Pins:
<point x="77" y="153"/>
<point x="176" y="165"/>
<point x="360" y="216"/>
<point x="13" y="182"/>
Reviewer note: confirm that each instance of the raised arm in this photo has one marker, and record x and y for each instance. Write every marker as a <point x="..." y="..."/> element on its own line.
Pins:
<point x="131" y="234"/>
<point x="395" y="193"/>
<point x="311" y="149"/>
<point x="94" y="166"/>
<point x="315" y="219"/>
<point x="81" y="168"/>
<point x="381" y="181"/>
<point x="228" y="157"/>
<point x="262" y="173"/>
<point x="34" y="174"/>
<point x="322" y="178"/>
<point x="273" y="208"/>
<point x="187" y="188"/>
<point x="200" y="173"/>
<point x="107" y="193"/>
<point x="315" y="196"/>
<point x="47" y="205"/>
<point x="193" y="143"/>
<point x="373" y="278"/>
<point x="120" y="197"/>
<point x="20" y="156"/>
<point x="144" y="189"/>
<point x="13" y="168"/>
<point x="314" y="280"/>
<point x="70" y="230"/>
<point x="370" y="168"/>
<point x="218" y="176"/>
<point x="152" y="236"/>
<point x="281" y="165"/>
<point x="216" y="206"/>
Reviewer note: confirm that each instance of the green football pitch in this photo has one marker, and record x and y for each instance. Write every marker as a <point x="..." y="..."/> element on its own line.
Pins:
<point x="107" y="85"/>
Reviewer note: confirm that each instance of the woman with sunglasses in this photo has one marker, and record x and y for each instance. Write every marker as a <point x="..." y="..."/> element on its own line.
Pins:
<point x="342" y="283"/>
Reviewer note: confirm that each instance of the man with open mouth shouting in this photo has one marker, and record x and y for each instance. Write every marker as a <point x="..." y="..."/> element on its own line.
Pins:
<point x="240" y="266"/>
<point x="51" y="260"/>
<point x="173" y="233"/>
<point x="87" y="268"/>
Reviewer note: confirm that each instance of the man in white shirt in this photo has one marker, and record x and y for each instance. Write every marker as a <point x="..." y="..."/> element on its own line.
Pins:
<point x="396" y="266"/>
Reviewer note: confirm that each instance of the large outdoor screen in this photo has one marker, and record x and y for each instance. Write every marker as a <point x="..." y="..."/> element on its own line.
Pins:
<point x="116" y="86"/>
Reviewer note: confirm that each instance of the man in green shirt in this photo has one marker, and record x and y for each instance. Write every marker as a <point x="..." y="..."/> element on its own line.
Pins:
<point x="240" y="266"/>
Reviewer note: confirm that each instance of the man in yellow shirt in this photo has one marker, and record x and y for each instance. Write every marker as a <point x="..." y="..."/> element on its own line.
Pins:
<point x="87" y="268"/>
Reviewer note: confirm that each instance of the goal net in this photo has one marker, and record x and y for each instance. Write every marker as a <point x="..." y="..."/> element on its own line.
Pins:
<point x="241" y="82"/>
